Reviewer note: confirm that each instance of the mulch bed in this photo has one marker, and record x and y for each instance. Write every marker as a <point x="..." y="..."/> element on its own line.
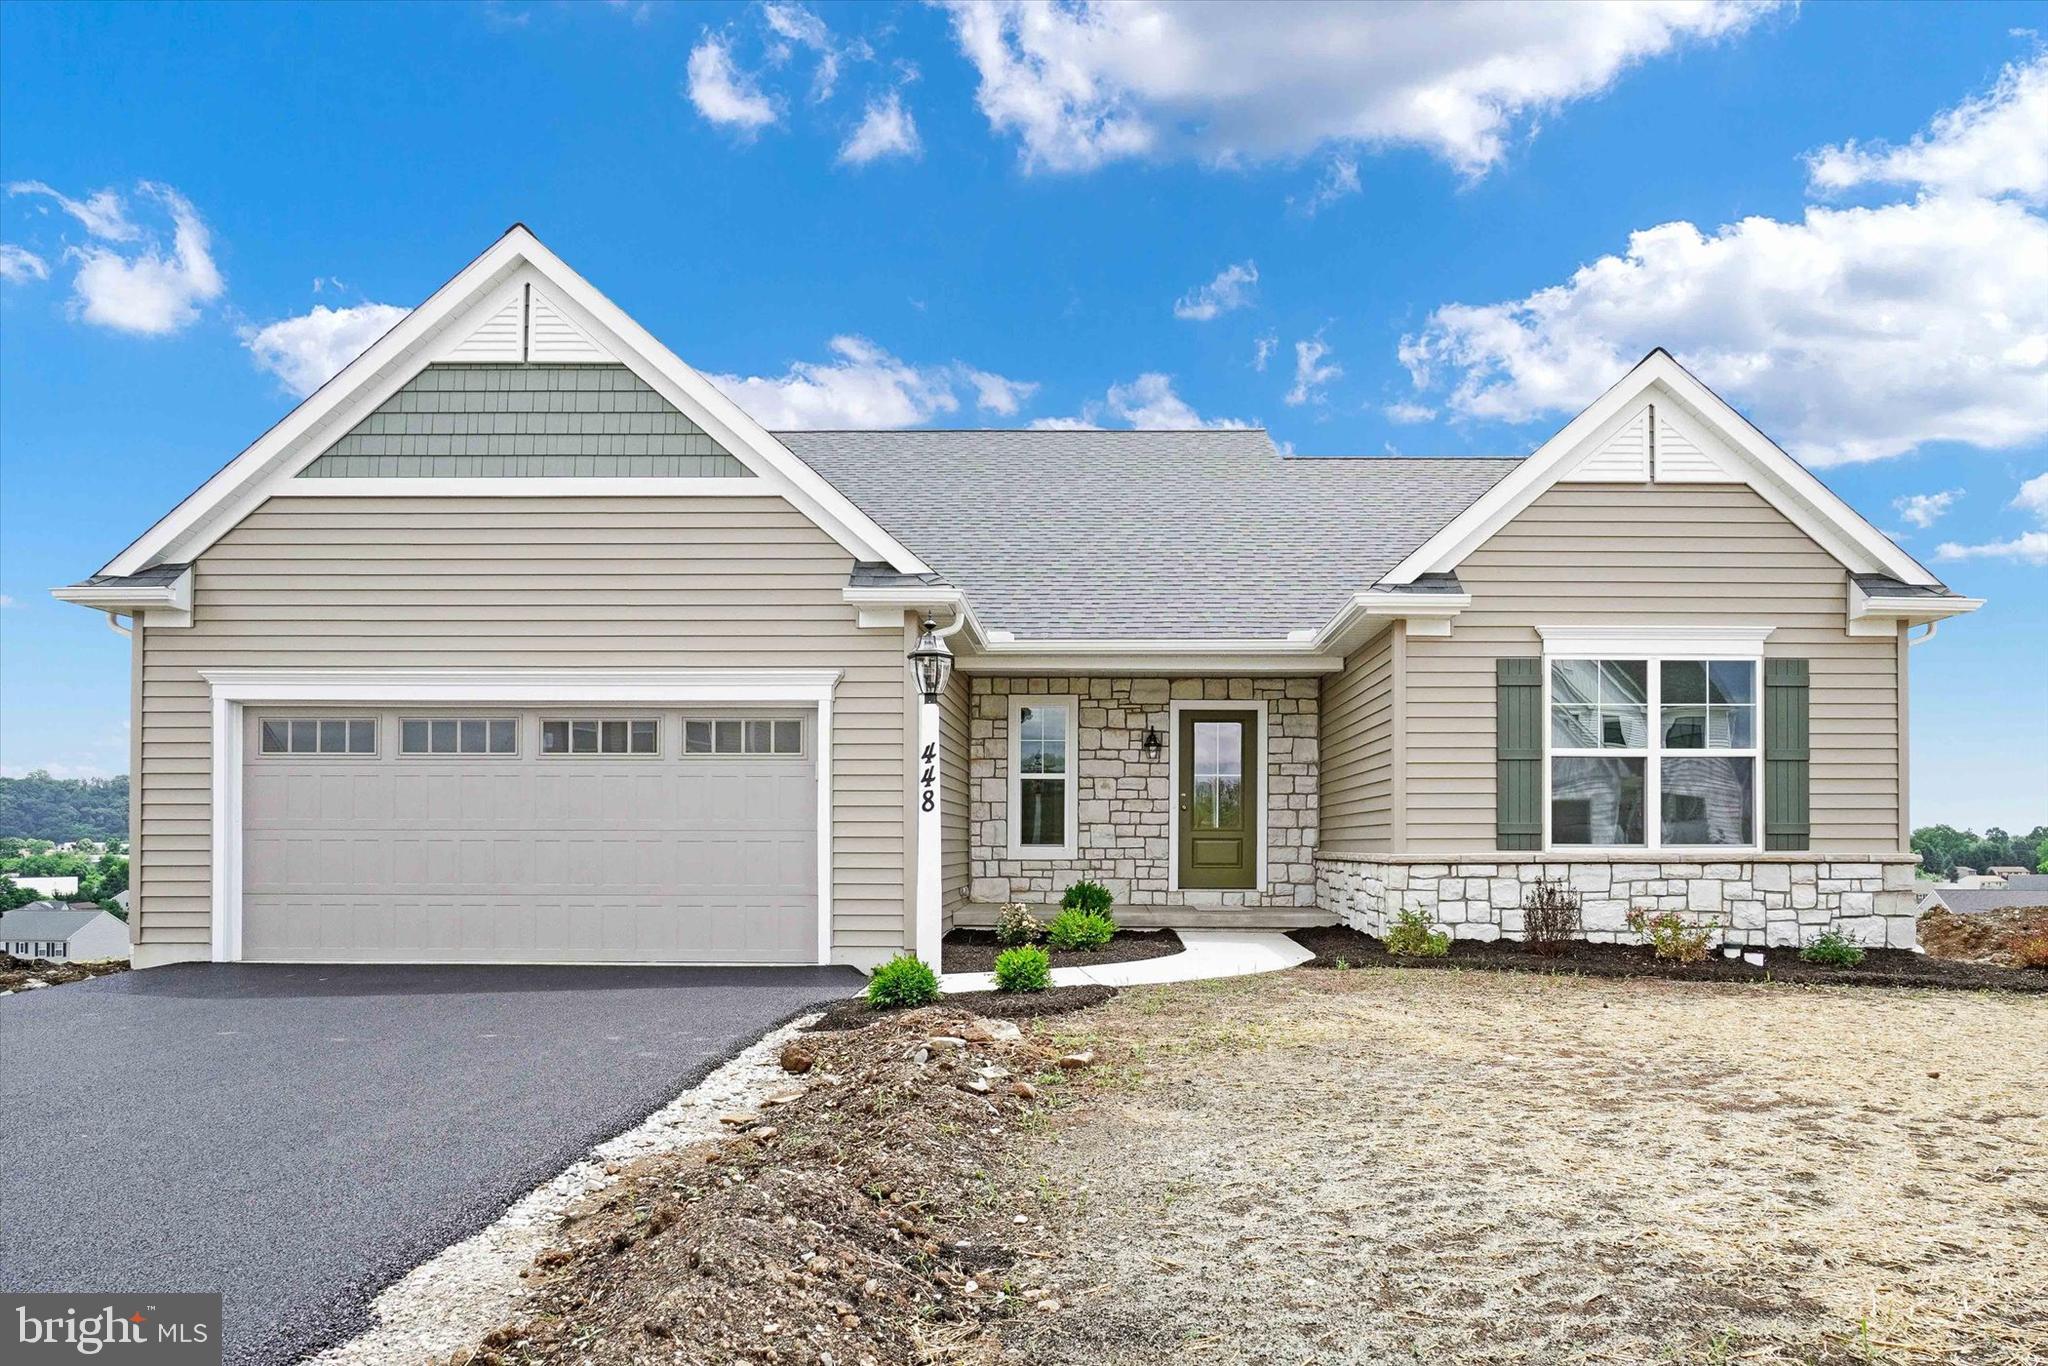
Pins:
<point x="1879" y="968"/>
<point x="850" y="1219"/>
<point x="976" y="950"/>
<point x="27" y="974"/>
<point x="997" y="1005"/>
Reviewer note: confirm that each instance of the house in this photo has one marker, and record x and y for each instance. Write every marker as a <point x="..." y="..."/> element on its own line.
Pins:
<point x="518" y="640"/>
<point x="2023" y="889"/>
<point x="2008" y="871"/>
<point x="62" y="933"/>
<point x="49" y="886"/>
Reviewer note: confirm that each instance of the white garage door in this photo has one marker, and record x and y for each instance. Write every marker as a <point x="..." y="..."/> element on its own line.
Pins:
<point x="481" y="834"/>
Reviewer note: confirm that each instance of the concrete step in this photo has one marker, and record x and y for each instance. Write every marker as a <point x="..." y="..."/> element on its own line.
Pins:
<point x="976" y="915"/>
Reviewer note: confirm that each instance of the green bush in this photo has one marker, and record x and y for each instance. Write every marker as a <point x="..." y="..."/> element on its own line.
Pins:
<point x="1411" y="937"/>
<point x="902" y="981"/>
<point x="1671" y="938"/>
<point x="1832" y="948"/>
<point x="1079" y="930"/>
<point x="1023" y="968"/>
<point x="1088" y="896"/>
<point x="1016" y="925"/>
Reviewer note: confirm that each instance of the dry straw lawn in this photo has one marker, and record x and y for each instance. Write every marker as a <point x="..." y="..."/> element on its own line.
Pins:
<point x="1375" y="1166"/>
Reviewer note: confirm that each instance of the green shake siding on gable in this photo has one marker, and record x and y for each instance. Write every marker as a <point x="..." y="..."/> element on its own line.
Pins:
<point x="526" y="421"/>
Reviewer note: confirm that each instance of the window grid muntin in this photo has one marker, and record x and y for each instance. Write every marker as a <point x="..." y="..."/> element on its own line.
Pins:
<point x="1653" y="753"/>
<point x="600" y="737"/>
<point x="320" y="737"/>
<point x="469" y="737"/>
<point x="755" y="737"/>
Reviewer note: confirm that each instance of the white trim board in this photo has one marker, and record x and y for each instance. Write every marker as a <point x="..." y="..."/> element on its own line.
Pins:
<point x="1174" y="708"/>
<point x="1777" y="478"/>
<point x="443" y="327"/>
<point x="235" y="689"/>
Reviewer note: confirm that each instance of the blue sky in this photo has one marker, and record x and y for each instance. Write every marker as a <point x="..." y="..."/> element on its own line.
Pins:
<point x="1435" y="230"/>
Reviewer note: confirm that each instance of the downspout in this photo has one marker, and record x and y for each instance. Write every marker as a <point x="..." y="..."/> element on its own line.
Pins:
<point x="1932" y="627"/>
<point x="114" y="624"/>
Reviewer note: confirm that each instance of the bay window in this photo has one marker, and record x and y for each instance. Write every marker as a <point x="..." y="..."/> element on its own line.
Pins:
<point x="1653" y="752"/>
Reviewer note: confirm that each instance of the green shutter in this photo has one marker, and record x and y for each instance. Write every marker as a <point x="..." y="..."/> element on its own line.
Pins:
<point x="1518" y="753"/>
<point x="1787" y="817"/>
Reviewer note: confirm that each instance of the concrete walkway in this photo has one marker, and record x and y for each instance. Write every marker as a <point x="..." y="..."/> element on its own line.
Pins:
<point x="1205" y="953"/>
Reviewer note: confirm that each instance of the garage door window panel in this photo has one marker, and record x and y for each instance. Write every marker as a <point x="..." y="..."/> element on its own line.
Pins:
<point x="752" y="735"/>
<point x="577" y="735"/>
<point x="464" y="735"/>
<point x="341" y="736"/>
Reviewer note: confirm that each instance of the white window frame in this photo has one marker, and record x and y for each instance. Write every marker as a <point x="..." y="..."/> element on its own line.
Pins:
<point x="1654" y="645"/>
<point x="1045" y="853"/>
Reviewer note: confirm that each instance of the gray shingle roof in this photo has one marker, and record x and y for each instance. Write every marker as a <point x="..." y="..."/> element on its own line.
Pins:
<point x="155" y="576"/>
<point x="26" y="922"/>
<point x="1160" y="535"/>
<point x="1976" y="900"/>
<point x="1884" y="586"/>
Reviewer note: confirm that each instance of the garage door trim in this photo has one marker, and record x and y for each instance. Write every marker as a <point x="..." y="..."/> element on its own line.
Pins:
<point x="235" y="689"/>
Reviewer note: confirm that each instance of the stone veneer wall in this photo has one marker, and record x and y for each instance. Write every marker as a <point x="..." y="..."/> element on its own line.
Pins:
<point x="1123" y="828"/>
<point x="1759" y="900"/>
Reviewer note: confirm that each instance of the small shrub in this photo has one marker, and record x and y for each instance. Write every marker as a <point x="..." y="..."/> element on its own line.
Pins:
<point x="1411" y="937"/>
<point x="1671" y="938"/>
<point x="1023" y="968"/>
<point x="1088" y="896"/>
<point x="1016" y="925"/>
<point x="902" y="981"/>
<point x="1079" y="930"/>
<point x="1550" y="917"/>
<point x="1832" y="948"/>
<point x="2031" y="951"/>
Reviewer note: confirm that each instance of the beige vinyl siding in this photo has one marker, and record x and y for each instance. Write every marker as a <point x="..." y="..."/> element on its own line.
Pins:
<point x="1668" y="556"/>
<point x="953" y="853"/>
<point x="586" y="582"/>
<point x="1358" y="749"/>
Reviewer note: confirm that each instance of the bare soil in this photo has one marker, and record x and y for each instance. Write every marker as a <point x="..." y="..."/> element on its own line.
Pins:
<point x="1335" y="944"/>
<point x="1382" y="1165"/>
<point x="858" y="1014"/>
<point x="976" y="950"/>
<point x="27" y="974"/>
<point x="852" y="1218"/>
<point x="1999" y="936"/>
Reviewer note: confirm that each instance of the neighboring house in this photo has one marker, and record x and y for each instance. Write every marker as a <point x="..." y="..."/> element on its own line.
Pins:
<point x="49" y="886"/>
<point x="2008" y="871"/>
<point x="120" y="898"/>
<point x="63" y="933"/>
<point x="2027" y="890"/>
<point x="518" y="640"/>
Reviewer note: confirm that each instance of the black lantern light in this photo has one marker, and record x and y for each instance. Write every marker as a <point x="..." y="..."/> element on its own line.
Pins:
<point x="931" y="662"/>
<point x="1153" y="743"/>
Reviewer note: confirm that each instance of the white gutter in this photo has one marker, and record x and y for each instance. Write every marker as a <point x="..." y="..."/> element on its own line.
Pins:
<point x="1880" y="616"/>
<point x="158" y="604"/>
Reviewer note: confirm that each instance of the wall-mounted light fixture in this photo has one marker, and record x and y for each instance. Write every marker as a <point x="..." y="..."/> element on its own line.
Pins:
<point x="1153" y="744"/>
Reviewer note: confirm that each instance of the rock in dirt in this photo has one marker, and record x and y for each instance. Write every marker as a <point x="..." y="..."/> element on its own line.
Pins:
<point x="798" y="1059"/>
<point x="1084" y="1058"/>
<point x="1023" y="1090"/>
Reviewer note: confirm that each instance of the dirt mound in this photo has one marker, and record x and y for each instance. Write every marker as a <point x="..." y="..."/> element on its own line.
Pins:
<point x="851" y="1219"/>
<point x="26" y="974"/>
<point x="1985" y="937"/>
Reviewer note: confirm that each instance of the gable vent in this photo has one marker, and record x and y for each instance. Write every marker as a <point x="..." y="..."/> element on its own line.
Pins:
<point x="496" y="338"/>
<point x="553" y="338"/>
<point x="1623" y="458"/>
<point x="1682" y="460"/>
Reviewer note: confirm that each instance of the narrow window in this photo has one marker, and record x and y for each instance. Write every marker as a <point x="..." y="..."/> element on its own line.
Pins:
<point x="1041" y="787"/>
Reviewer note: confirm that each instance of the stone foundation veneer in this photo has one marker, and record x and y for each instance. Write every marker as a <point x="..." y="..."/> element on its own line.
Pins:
<point x="1124" y="838"/>
<point x="1756" y="900"/>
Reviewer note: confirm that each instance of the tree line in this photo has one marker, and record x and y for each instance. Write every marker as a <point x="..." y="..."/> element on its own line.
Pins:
<point x="1943" y="848"/>
<point x="38" y="806"/>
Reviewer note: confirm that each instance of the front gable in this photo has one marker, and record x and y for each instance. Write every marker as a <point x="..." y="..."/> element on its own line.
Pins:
<point x="517" y="309"/>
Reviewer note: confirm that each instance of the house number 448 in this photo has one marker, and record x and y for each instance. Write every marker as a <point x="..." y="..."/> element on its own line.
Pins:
<point x="928" y="779"/>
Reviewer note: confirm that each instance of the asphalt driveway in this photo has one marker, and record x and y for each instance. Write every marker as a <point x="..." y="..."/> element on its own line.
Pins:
<point x="298" y="1137"/>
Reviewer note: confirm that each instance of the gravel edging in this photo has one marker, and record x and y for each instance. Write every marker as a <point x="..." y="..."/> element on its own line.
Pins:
<point x="994" y="1005"/>
<point x="1880" y="967"/>
<point x="451" y="1300"/>
<point x="976" y="950"/>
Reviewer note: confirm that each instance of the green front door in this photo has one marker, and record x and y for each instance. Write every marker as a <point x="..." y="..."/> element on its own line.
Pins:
<point x="1219" y="799"/>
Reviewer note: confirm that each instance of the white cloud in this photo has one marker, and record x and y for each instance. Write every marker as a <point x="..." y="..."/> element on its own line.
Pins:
<point x="1991" y="145"/>
<point x="1310" y="373"/>
<point x="793" y="24"/>
<point x="7" y="601"/>
<point x="1087" y="83"/>
<point x="1262" y="351"/>
<point x="1339" y="181"/>
<point x="886" y="130"/>
<point x="18" y="264"/>
<point x="1923" y="510"/>
<point x="1231" y="289"/>
<point x="2029" y="547"/>
<point x="142" y="289"/>
<point x="1147" y="403"/>
<point x="863" y="386"/>
<point x="1409" y="413"/>
<point x="725" y="95"/>
<point x="103" y="212"/>
<point x="307" y="351"/>
<point x="1851" y="334"/>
